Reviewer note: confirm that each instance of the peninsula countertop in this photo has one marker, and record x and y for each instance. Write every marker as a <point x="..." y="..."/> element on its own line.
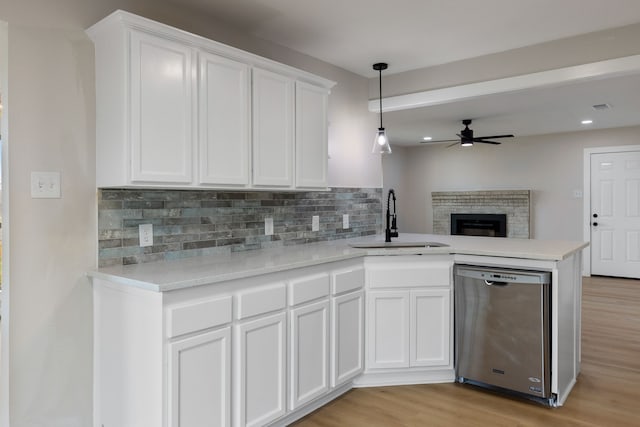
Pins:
<point x="170" y="275"/>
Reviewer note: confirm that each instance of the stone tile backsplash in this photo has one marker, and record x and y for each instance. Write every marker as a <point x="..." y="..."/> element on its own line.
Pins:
<point x="190" y="223"/>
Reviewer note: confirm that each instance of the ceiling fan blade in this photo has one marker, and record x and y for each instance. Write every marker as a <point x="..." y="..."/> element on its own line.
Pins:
<point x="455" y="143"/>
<point x="439" y="140"/>
<point x="482" y="141"/>
<point x="494" y="136"/>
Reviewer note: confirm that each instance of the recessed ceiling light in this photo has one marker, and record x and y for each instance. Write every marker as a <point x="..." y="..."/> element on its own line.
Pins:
<point x="427" y="138"/>
<point x="586" y="122"/>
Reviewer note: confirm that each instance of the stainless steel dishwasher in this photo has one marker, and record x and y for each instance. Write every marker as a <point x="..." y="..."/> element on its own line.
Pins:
<point x="502" y="330"/>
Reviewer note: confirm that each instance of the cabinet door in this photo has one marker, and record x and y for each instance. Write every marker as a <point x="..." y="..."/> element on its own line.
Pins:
<point x="430" y="327"/>
<point x="161" y="100"/>
<point x="309" y="360"/>
<point x="224" y="121"/>
<point x="260" y="389"/>
<point x="388" y="329"/>
<point x="273" y="127"/>
<point x="199" y="380"/>
<point x="311" y="136"/>
<point x="347" y="332"/>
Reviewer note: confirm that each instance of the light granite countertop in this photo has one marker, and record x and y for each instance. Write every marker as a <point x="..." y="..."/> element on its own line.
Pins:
<point x="164" y="276"/>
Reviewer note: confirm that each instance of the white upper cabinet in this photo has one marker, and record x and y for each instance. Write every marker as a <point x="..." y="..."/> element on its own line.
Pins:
<point x="225" y="101"/>
<point x="176" y="110"/>
<point x="273" y="129"/>
<point x="161" y="98"/>
<point x="311" y="136"/>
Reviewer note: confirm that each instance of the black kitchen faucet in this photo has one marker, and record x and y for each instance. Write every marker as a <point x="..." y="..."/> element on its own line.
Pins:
<point x="392" y="226"/>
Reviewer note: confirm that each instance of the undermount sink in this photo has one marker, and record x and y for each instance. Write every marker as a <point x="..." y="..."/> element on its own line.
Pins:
<point x="385" y="245"/>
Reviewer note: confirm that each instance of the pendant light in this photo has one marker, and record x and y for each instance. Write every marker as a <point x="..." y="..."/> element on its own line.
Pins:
<point x="381" y="142"/>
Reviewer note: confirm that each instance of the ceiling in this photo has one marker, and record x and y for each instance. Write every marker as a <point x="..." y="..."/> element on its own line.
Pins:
<point x="535" y="111"/>
<point x="414" y="34"/>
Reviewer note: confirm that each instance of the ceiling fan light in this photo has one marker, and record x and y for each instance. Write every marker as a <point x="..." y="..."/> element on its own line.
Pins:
<point x="467" y="143"/>
<point x="381" y="143"/>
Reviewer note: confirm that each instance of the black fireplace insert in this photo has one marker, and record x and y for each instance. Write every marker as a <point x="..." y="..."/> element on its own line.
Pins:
<point x="490" y="225"/>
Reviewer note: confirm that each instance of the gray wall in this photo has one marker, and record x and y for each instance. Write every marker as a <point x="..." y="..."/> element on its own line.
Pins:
<point x="551" y="166"/>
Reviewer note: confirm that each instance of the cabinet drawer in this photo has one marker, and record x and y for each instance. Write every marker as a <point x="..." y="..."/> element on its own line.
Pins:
<point x="347" y="280"/>
<point x="308" y="289"/>
<point x="400" y="273"/>
<point x="188" y="318"/>
<point x="262" y="300"/>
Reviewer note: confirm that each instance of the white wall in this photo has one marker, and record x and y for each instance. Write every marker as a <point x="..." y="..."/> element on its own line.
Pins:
<point x="4" y="308"/>
<point x="394" y="175"/>
<point x="550" y="165"/>
<point x="51" y="119"/>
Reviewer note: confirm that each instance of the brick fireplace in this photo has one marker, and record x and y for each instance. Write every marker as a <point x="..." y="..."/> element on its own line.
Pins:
<point x="515" y="204"/>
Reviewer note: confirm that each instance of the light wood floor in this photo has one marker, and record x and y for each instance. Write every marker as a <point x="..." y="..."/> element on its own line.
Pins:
<point x="607" y="392"/>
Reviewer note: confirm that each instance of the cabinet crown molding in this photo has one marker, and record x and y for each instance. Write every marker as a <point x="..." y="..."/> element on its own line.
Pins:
<point x="121" y="18"/>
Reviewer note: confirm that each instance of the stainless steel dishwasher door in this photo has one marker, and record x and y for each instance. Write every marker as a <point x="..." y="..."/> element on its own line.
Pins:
<point x="502" y="329"/>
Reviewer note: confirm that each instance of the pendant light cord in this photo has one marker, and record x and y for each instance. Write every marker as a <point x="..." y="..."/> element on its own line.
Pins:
<point x="380" y="80"/>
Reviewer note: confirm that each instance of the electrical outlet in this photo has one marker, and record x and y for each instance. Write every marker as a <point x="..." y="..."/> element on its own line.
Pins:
<point x="345" y="221"/>
<point x="268" y="226"/>
<point x="146" y="235"/>
<point x="45" y="185"/>
<point x="315" y="223"/>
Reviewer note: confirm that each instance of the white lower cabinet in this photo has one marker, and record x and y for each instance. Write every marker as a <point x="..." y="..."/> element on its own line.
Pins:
<point x="260" y="358"/>
<point x="429" y="326"/>
<point x="263" y="350"/>
<point x="409" y="320"/>
<point x="309" y="357"/>
<point x="347" y="333"/>
<point x="388" y="326"/>
<point x="200" y="380"/>
<point x="409" y="328"/>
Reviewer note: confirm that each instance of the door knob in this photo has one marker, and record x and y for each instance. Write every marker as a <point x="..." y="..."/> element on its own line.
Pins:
<point x="595" y="224"/>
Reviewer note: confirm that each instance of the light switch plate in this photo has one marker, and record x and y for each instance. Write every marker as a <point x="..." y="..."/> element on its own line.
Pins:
<point x="268" y="226"/>
<point x="315" y="223"/>
<point x="45" y="185"/>
<point x="345" y="221"/>
<point x="146" y="235"/>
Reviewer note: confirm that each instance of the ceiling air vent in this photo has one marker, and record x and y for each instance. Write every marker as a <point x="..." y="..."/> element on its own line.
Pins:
<point x="600" y="107"/>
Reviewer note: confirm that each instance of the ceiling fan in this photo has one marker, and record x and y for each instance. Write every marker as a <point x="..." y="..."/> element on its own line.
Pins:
<point x="467" y="139"/>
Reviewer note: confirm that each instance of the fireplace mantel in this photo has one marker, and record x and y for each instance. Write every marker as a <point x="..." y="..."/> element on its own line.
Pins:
<point x="514" y="203"/>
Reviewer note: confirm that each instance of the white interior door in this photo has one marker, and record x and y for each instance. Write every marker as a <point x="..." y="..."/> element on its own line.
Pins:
<point x="615" y="214"/>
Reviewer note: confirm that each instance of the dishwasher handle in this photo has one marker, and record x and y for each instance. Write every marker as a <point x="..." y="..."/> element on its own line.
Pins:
<point x="492" y="283"/>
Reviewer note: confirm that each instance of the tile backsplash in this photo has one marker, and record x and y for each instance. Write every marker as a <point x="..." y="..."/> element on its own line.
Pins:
<point x="190" y="223"/>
